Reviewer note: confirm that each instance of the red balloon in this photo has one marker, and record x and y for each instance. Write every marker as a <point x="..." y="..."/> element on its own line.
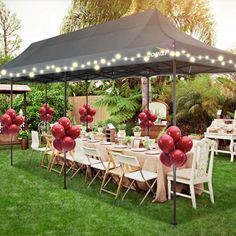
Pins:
<point x="50" y="111"/>
<point x="82" y="119"/>
<point x="57" y="144"/>
<point x="73" y="132"/>
<point x="142" y="125"/>
<point x="11" y="113"/>
<point x="46" y="105"/>
<point x="185" y="144"/>
<point x="165" y="159"/>
<point x="5" y="119"/>
<point x="82" y="111"/>
<point x="149" y="124"/>
<point x="92" y="111"/>
<point x="5" y="130"/>
<point x="65" y="122"/>
<point x="19" y="120"/>
<point x="166" y="143"/>
<point x="89" y="119"/>
<point x="178" y="158"/>
<point x="68" y="143"/>
<point x="86" y="106"/>
<point x="146" y="111"/>
<point x="42" y="110"/>
<point x="58" y="131"/>
<point x="152" y="117"/>
<point x="13" y="129"/>
<point x="142" y="116"/>
<point x="174" y="132"/>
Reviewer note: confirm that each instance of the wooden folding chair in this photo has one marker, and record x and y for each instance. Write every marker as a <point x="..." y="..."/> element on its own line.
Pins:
<point x="139" y="175"/>
<point x="111" y="172"/>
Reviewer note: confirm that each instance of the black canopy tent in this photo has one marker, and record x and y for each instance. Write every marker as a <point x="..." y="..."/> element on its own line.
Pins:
<point x="143" y="44"/>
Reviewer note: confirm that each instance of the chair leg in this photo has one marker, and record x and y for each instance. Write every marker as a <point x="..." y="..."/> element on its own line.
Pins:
<point x="103" y="181"/>
<point x="169" y="189"/>
<point x="31" y="155"/>
<point x="128" y="189"/>
<point x="149" y="190"/>
<point x="94" y="178"/>
<point x="211" y="192"/>
<point x="62" y="167"/>
<point x="192" y="192"/>
<point x="75" y="173"/>
<point x="86" y="174"/>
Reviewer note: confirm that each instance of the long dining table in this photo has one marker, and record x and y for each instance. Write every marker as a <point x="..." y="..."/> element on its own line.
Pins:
<point x="147" y="161"/>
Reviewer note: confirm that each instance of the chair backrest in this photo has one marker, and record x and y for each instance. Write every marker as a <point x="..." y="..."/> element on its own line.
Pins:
<point x="203" y="158"/>
<point x="79" y="150"/>
<point x="159" y="108"/>
<point x="128" y="160"/>
<point x="35" y="139"/>
<point x="91" y="152"/>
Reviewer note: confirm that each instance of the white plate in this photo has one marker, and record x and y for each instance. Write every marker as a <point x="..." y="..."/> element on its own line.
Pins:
<point x="93" y="141"/>
<point x="106" y="143"/>
<point x="153" y="152"/>
<point x="120" y="146"/>
<point x="138" y="149"/>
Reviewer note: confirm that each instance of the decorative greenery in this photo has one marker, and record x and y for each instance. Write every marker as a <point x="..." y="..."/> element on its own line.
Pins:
<point x="36" y="98"/>
<point x="101" y="124"/>
<point x="137" y="128"/>
<point x="122" y="102"/>
<point x="23" y="134"/>
<point x="127" y="139"/>
<point x="121" y="127"/>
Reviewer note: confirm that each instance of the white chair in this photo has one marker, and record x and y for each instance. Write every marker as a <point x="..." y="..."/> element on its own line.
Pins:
<point x="35" y="145"/>
<point x="139" y="175"/>
<point x="96" y="162"/>
<point x="80" y="158"/>
<point x="199" y="173"/>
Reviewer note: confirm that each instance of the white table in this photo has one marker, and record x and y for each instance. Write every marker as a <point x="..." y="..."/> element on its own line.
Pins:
<point x="230" y="137"/>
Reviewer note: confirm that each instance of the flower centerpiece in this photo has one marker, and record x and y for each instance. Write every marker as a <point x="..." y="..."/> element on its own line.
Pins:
<point x="100" y="126"/>
<point x="137" y="131"/>
<point x="121" y="130"/>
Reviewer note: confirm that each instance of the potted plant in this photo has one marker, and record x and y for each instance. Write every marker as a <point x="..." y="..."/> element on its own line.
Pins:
<point x="121" y="129"/>
<point x="128" y="140"/>
<point x="137" y="131"/>
<point x="100" y="125"/>
<point x="23" y="136"/>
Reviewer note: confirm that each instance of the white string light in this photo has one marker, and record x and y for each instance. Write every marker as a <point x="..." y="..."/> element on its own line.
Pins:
<point x="107" y="62"/>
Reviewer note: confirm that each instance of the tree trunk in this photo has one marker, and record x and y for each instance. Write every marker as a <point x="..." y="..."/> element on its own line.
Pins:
<point x="144" y="91"/>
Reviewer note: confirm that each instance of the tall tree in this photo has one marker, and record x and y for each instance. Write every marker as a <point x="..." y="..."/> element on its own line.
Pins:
<point x="84" y="13"/>
<point x="191" y="16"/>
<point x="9" y="25"/>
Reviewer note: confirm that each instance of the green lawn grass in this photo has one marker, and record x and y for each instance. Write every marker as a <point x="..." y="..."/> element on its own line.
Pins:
<point x="33" y="202"/>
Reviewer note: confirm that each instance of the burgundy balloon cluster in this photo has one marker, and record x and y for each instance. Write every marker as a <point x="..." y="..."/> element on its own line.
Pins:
<point x="11" y="122"/>
<point x="83" y="111"/>
<point x="147" y="119"/>
<point x="64" y="134"/>
<point x="174" y="147"/>
<point x="46" y="112"/>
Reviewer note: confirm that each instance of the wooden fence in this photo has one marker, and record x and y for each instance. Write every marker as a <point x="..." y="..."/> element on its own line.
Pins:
<point x="77" y="102"/>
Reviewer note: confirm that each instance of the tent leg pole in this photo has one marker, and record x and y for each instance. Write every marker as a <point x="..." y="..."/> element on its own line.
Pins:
<point x="148" y="101"/>
<point x="11" y="105"/>
<point x="174" y="93"/>
<point x="46" y="101"/>
<point x="86" y="102"/>
<point x="174" y="222"/>
<point x="65" y="110"/>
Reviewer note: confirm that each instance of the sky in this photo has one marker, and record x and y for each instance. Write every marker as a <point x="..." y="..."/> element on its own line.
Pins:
<point x="42" y="19"/>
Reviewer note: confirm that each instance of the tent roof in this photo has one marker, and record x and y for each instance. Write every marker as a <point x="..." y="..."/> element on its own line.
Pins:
<point x="144" y="41"/>
<point x="17" y="88"/>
